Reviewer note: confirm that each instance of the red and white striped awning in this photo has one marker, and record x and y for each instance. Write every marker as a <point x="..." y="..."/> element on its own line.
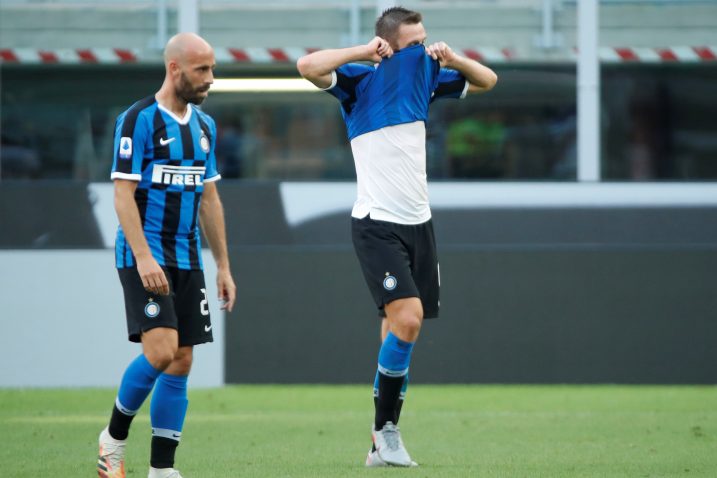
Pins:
<point x="677" y="54"/>
<point x="68" y="56"/>
<point x="490" y="55"/>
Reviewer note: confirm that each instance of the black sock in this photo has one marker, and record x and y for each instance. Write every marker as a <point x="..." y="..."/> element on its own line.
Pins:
<point x="399" y="405"/>
<point x="163" y="452"/>
<point x="389" y="388"/>
<point x="119" y="424"/>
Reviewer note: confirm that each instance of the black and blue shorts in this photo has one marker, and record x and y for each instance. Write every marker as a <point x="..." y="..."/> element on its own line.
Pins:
<point x="398" y="261"/>
<point x="185" y="309"/>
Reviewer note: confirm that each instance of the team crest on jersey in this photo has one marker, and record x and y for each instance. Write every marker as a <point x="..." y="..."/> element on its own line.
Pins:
<point x="151" y="310"/>
<point x="204" y="143"/>
<point x="390" y="282"/>
<point x="125" y="149"/>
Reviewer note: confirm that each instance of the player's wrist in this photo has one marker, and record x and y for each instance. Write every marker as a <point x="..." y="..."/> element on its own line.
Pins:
<point x="455" y="62"/>
<point x="223" y="265"/>
<point x="366" y="52"/>
<point x="145" y="256"/>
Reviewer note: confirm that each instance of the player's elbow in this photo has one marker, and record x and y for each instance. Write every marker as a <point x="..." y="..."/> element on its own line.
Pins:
<point x="490" y="80"/>
<point x="494" y="79"/>
<point x="303" y="64"/>
<point x="313" y="71"/>
<point x="486" y="82"/>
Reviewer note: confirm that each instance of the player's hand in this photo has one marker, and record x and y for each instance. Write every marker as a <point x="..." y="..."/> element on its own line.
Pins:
<point x="227" y="289"/>
<point x="153" y="278"/>
<point x="378" y="49"/>
<point x="441" y="52"/>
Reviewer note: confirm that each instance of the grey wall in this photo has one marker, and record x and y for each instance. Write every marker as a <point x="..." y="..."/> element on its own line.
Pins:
<point x="602" y="288"/>
<point x="509" y="314"/>
<point x="541" y="283"/>
<point x="63" y="322"/>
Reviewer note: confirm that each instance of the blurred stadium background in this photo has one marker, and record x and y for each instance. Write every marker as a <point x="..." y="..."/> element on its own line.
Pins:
<point x="566" y="257"/>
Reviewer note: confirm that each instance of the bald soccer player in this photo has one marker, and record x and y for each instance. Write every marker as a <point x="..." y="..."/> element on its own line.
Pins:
<point x="165" y="174"/>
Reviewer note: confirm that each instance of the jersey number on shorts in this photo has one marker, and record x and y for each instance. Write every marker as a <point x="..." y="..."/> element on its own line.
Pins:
<point x="203" y="304"/>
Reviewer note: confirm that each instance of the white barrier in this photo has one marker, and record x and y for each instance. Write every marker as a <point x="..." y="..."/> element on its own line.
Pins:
<point x="63" y="322"/>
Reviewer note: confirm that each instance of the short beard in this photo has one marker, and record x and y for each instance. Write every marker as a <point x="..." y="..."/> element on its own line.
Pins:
<point x="188" y="93"/>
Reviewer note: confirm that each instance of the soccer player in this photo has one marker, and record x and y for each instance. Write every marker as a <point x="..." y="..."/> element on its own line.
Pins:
<point x="385" y="107"/>
<point x="165" y="175"/>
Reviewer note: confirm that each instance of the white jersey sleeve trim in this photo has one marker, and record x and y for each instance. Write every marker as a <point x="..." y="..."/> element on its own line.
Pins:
<point x="334" y="80"/>
<point x="213" y="178"/>
<point x="465" y="90"/>
<point x="129" y="177"/>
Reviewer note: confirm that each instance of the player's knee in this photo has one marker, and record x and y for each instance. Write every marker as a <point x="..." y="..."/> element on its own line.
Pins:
<point x="160" y="361"/>
<point x="160" y="346"/>
<point x="161" y="357"/>
<point x="406" y="320"/>
<point x="410" y="323"/>
<point x="182" y="363"/>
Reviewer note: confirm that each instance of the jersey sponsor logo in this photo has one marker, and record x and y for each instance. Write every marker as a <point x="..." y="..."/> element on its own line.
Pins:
<point x="390" y="282"/>
<point x="178" y="175"/>
<point x="207" y="328"/>
<point x="152" y="309"/>
<point x="165" y="142"/>
<point x="125" y="149"/>
<point x="204" y="143"/>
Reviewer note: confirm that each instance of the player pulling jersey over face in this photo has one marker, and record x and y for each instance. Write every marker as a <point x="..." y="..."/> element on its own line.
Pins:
<point x="396" y="91"/>
<point x="385" y="108"/>
<point x="171" y="158"/>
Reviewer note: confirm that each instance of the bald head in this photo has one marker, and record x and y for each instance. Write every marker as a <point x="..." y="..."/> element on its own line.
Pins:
<point x="183" y="46"/>
<point x="189" y="61"/>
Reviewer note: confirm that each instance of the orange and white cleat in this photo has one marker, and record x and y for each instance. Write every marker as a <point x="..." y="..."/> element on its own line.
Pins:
<point x="110" y="463"/>
<point x="373" y="460"/>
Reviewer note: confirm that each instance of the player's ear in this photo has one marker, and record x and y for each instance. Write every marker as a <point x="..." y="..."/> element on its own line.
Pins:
<point x="174" y="67"/>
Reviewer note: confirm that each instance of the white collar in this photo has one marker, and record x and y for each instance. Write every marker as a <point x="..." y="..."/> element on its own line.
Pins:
<point x="184" y="120"/>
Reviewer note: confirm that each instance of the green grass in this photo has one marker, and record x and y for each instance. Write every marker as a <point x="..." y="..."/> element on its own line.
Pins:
<point x="323" y="431"/>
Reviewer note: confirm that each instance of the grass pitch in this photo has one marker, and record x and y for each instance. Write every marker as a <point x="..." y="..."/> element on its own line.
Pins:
<point x="323" y="431"/>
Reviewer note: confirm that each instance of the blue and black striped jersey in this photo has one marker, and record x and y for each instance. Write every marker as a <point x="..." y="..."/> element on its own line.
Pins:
<point x="395" y="92"/>
<point x="171" y="158"/>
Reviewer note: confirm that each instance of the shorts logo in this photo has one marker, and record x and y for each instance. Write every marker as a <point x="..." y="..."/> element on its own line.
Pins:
<point x="390" y="282"/>
<point x="204" y="143"/>
<point x="125" y="149"/>
<point x="151" y="310"/>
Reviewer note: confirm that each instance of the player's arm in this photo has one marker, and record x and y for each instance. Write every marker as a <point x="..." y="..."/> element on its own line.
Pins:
<point x="318" y="66"/>
<point x="211" y="218"/>
<point x="480" y="77"/>
<point x="149" y="270"/>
